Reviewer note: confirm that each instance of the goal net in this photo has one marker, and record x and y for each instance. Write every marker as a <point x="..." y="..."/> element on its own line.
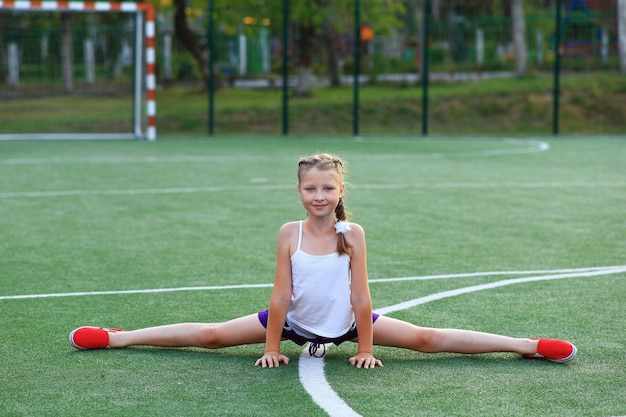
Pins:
<point x="77" y="70"/>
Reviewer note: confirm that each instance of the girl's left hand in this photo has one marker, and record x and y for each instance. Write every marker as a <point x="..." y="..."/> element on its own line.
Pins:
<point x="365" y="360"/>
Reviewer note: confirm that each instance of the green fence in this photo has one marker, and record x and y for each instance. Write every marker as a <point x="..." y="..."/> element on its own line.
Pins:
<point x="66" y="74"/>
<point x="476" y="84"/>
<point x="457" y="43"/>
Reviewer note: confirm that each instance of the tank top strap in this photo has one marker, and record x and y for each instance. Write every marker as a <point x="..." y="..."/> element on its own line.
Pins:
<point x="299" y="236"/>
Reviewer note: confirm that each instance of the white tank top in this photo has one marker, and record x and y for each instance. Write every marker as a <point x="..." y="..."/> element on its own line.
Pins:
<point x="320" y="301"/>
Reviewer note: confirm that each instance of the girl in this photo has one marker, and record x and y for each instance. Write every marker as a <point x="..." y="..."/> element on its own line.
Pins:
<point x="321" y="295"/>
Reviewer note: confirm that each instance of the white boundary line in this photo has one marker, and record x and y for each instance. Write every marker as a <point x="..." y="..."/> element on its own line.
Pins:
<point x="311" y="370"/>
<point x="269" y="285"/>
<point x="147" y="191"/>
<point x="312" y="378"/>
<point x="526" y="147"/>
<point x="485" y="274"/>
<point x="146" y="291"/>
<point x="256" y="187"/>
<point x="490" y="285"/>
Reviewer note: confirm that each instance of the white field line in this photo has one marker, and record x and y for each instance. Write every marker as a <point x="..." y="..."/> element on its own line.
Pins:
<point x="485" y="274"/>
<point x="312" y="378"/>
<point x="82" y="193"/>
<point x="269" y="285"/>
<point x="491" y="285"/>
<point x="525" y="147"/>
<point x="146" y="291"/>
<point x="257" y="187"/>
<point x="131" y="160"/>
<point x="547" y="184"/>
<point x="311" y="370"/>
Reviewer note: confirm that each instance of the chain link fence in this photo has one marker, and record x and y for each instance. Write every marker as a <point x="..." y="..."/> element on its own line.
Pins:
<point x="482" y="78"/>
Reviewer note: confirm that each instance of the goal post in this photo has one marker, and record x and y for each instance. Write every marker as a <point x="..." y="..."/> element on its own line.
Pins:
<point x="104" y="88"/>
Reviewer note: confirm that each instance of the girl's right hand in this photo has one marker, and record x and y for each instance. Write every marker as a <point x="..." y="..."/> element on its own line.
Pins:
<point x="271" y="360"/>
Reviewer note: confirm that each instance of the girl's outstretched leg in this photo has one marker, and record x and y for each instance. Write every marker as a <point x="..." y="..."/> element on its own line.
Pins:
<point x="240" y="331"/>
<point x="398" y="333"/>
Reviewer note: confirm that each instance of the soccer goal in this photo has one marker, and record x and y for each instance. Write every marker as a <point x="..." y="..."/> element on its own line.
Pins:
<point x="77" y="70"/>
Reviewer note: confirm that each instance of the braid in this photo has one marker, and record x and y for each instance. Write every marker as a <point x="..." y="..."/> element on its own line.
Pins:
<point x="340" y="211"/>
<point x="343" y="246"/>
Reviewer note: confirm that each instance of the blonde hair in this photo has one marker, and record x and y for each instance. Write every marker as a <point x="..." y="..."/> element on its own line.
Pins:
<point x="327" y="162"/>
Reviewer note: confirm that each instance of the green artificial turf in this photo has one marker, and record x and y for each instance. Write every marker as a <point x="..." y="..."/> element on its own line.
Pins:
<point x="120" y="217"/>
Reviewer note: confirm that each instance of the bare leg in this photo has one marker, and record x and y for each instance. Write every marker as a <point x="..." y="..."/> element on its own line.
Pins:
<point x="240" y="331"/>
<point x="398" y="333"/>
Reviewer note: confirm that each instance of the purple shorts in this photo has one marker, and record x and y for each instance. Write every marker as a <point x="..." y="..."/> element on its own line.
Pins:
<point x="288" y="333"/>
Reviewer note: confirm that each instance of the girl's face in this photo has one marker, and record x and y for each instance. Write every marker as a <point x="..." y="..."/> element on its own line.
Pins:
<point x="319" y="192"/>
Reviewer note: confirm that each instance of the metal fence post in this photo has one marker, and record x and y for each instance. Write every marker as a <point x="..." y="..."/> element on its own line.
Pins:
<point x="425" y="67"/>
<point x="357" y="65"/>
<point x="211" y="45"/>
<point x="557" y="70"/>
<point x="285" y="67"/>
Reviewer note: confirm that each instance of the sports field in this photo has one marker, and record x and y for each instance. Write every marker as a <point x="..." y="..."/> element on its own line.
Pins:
<point x="524" y="237"/>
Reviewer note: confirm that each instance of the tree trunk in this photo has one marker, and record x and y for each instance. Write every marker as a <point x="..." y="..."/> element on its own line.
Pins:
<point x="306" y="33"/>
<point x="519" y="36"/>
<point x="621" y="24"/>
<point x="435" y="6"/>
<point x="66" y="53"/>
<point x="3" y="55"/>
<point x="420" y="36"/>
<point x="331" y="48"/>
<point x="190" y="40"/>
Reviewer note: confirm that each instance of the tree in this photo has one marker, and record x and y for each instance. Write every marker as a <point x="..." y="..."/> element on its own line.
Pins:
<point x="313" y="23"/>
<point x="519" y="36"/>
<point x="190" y="39"/>
<point x="3" y="54"/>
<point x="621" y="23"/>
<point x="67" y="58"/>
<point x="333" y="55"/>
<point x="228" y="15"/>
<point x="319" y="20"/>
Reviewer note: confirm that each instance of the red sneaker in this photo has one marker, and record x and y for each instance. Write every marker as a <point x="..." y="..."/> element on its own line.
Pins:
<point x="89" y="337"/>
<point x="554" y="350"/>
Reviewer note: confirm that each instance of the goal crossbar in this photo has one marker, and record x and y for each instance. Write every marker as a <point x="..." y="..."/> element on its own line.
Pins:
<point x="146" y="20"/>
